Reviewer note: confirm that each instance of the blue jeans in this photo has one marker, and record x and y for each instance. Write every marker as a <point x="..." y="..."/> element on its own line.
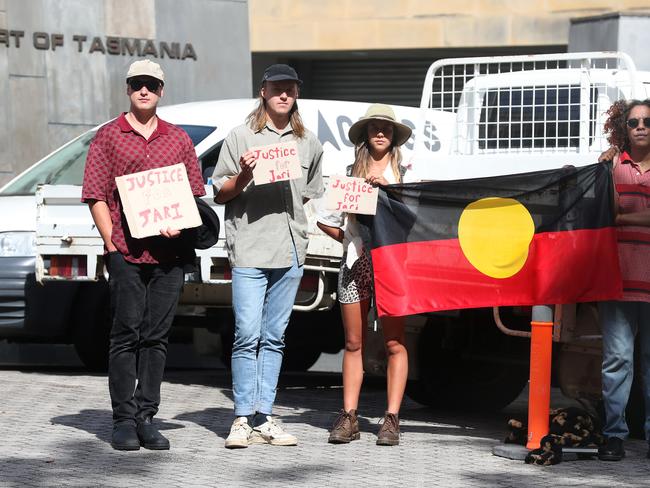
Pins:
<point x="620" y="322"/>
<point x="262" y="300"/>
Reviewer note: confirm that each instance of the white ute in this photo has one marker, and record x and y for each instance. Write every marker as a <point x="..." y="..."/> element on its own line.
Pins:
<point x="478" y="117"/>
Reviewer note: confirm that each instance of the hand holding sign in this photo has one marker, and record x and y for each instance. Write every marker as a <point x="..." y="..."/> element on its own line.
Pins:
<point x="276" y="162"/>
<point x="247" y="162"/>
<point x="158" y="201"/>
<point x="170" y="233"/>
<point x="352" y="195"/>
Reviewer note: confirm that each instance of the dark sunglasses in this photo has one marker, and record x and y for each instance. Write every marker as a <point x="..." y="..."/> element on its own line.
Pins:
<point x="634" y="123"/>
<point x="152" y="85"/>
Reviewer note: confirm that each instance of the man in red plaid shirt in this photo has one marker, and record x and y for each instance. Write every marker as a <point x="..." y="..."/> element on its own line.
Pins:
<point x="145" y="275"/>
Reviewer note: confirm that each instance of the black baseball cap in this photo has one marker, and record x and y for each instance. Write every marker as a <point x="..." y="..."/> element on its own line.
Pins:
<point x="278" y="72"/>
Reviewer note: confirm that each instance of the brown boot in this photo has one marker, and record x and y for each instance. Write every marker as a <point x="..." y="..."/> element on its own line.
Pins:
<point x="345" y="429"/>
<point x="389" y="431"/>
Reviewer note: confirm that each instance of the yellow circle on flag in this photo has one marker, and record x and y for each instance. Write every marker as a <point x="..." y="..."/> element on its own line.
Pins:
<point x="495" y="234"/>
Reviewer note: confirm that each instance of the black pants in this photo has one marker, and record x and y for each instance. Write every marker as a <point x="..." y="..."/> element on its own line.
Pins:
<point x="144" y="298"/>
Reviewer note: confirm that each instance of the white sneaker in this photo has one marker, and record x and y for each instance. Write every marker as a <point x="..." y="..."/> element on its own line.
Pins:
<point x="271" y="432"/>
<point x="240" y="434"/>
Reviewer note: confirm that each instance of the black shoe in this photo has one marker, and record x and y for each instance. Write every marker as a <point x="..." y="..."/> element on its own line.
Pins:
<point x="125" y="438"/>
<point x="149" y="436"/>
<point x="648" y="453"/>
<point x="612" y="450"/>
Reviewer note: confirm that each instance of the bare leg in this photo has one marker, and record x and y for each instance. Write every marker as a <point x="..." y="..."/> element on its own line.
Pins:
<point x="398" y="365"/>
<point x="354" y="316"/>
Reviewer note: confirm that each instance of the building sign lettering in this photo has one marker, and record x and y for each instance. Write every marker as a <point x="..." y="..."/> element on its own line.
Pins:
<point x="117" y="46"/>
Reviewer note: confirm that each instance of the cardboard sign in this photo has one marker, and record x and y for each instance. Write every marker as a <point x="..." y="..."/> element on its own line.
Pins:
<point x="352" y="195"/>
<point x="276" y="162"/>
<point x="157" y="199"/>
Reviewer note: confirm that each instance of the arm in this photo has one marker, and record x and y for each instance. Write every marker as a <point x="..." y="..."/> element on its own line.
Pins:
<point x="236" y="184"/>
<point x="641" y="218"/>
<point x="314" y="187"/>
<point x="377" y="181"/>
<point x="96" y="184"/>
<point x="195" y="179"/>
<point x="330" y="222"/>
<point x="610" y="155"/>
<point x="335" y="233"/>
<point x="192" y="167"/>
<point x="102" y="218"/>
<point x="234" y="169"/>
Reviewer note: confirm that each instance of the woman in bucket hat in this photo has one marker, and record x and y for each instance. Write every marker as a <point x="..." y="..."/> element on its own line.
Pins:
<point x="377" y="137"/>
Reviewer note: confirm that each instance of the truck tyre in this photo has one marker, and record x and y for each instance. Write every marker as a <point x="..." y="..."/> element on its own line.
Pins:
<point x="300" y="357"/>
<point x="303" y="343"/>
<point x="467" y="363"/>
<point x="300" y="352"/>
<point x="91" y="325"/>
<point x="227" y="333"/>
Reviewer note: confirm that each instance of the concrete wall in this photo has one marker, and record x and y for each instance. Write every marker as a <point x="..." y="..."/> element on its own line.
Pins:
<point x="627" y="33"/>
<point x="328" y="25"/>
<point x="47" y="96"/>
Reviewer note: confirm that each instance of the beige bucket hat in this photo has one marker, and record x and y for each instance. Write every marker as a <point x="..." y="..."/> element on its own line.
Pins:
<point x="379" y="111"/>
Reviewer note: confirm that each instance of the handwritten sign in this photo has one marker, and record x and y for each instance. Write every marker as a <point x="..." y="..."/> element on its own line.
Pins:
<point x="352" y="195"/>
<point x="276" y="162"/>
<point x="157" y="199"/>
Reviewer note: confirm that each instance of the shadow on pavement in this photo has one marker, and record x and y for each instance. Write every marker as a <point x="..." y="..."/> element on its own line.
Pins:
<point x="100" y="423"/>
<point x="68" y="469"/>
<point x="217" y="420"/>
<point x="315" y="398"/>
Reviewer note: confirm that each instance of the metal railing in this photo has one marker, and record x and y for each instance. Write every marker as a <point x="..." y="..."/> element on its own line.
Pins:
<point x="529" y="104"/>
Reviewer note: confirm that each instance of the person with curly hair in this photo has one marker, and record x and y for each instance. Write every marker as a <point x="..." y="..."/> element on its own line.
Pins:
<point x="628" y="131"/>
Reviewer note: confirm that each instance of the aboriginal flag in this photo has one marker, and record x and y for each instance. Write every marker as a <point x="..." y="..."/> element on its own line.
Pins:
<point x="546" y="237"/>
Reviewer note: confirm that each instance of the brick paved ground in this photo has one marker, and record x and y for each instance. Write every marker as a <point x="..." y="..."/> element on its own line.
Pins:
<point x="55" y="428"/>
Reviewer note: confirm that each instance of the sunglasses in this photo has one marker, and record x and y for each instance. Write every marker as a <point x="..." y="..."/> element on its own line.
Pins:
<point x="152" y="85"/>
<point x="634" y="123"/>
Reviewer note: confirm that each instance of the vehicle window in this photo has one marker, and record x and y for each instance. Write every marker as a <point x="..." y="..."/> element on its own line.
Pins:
<point x="209" y="161"/>
<point x="533" y="117"/>
<point x="64" y="167"/>
<point x="197" y="132"/>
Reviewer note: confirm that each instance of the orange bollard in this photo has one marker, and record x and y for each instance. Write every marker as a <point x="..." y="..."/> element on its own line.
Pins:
<point x="539" y="395"/>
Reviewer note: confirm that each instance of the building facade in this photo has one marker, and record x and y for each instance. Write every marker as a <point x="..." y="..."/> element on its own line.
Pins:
<point x="379" y="50"/>
<point x="62" y="63"/>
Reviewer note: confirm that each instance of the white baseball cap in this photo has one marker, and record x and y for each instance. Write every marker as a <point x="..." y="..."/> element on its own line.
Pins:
<point x="146" y="67"/>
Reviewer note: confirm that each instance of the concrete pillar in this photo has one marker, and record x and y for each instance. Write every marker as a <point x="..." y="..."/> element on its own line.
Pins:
<point x="629" y="33"/>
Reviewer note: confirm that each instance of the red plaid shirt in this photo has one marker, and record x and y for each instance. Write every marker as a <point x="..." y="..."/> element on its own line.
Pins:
<point x="117" y="150"/>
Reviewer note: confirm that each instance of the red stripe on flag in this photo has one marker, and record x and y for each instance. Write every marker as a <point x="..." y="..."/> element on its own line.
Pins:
<point x="562" y="267"/>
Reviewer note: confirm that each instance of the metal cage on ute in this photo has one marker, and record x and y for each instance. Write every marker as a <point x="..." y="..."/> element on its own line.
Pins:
<point x="547" y="103"/>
